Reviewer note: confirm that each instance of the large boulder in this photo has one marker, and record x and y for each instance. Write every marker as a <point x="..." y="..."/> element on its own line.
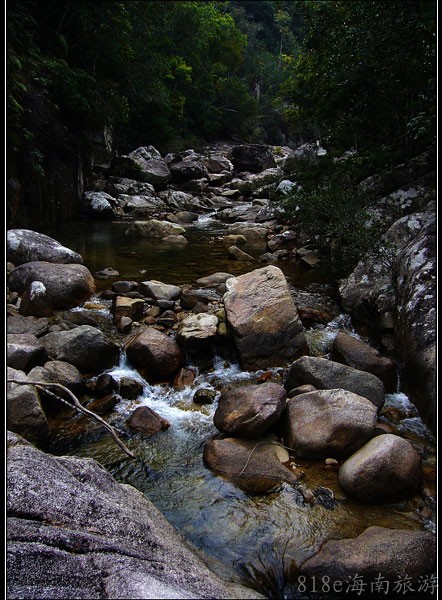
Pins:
<point x="378" y="554"/>
<point x="24" y="245"/>
<point x="91" y="537"/>
<point x="24" y="413"/>
<point x="85" y="347"/>
<point x="386" y="469"/>
<point x="263" y="318"/>
<point x="327" y="374"/>
<point x="415" y="331"/>
<point x="252" y="157"/>
<point x="398" y="297"/>
<point x="252" y="465"/>
<point x="20" y="324"/>
<point x="248" y="411"/>
<point x="355" y="353"/>
<point x="67" y="285"/>
<point x="156" y="352"/>
<point x="24" y="351"/>
<point x="143" y="164"/>
<point x="328" y="423"/>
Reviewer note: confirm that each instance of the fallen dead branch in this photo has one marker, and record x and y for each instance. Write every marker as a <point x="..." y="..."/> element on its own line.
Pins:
<point x="43" y="385"/>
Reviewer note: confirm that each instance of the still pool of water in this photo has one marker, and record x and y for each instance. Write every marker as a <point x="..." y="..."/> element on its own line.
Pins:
<point x="105" y="244"/>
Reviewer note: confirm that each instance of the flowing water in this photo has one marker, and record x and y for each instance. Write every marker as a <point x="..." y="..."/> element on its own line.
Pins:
<point x="257" y="540"/>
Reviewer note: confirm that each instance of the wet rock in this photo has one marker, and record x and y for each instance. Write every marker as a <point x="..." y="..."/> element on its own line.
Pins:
<point x="252" y="157"/>
<point x="386" y="469"/>
<point x="24" y="351"/>
<point x="105" y="404"/>
<point x="184" y="377"/>
<point x="147" y="421"/>
<point x="391" y="553"/>
<point x="124" y="324"/>
<point x="25" y="414"/>
<point x="167" y="319"/>
<point x="159" y="290"/>
<point x="197" y="332"/>
<point x="263" y="318"/>
<point x="24" y="245"/>
<point x="130" y="388"/>
<point x="105" y="384"/>
<point x="359" y="355"/>
<point x="156" y="352"/>
<point x="100" y="539"/>
<point x="154" y="229"/>
<point x="328" y="374"/>
<point x="237" y="254"/>
<point x="252" y="465"/>
<point x="204" y="396"/>
<point x="85" y="347"/>
<point x="183" y="216"/>
<point x="249" y="411"/>
<point x="67" y="285"/>
<point x="328" y="423"/>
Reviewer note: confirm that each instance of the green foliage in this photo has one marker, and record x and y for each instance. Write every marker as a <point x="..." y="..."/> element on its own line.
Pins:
<point x="338" y="218"/>
<point x="365" y="75"/>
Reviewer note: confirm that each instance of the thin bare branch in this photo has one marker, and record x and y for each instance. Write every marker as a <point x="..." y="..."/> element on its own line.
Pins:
<point x="42" y="385"/>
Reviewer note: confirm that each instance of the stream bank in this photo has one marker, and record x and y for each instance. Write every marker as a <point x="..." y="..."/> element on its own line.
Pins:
<point x="259" y="540"/>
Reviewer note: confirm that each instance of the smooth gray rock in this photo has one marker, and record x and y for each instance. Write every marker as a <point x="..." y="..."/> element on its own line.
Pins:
<point x="328" y="374"/>
<point x="91" y="537"/>
<point x="25" y="415"/>
<point x="85" y="347"/>
<point x="25" y="245"/>
<point x="24" y="351"/>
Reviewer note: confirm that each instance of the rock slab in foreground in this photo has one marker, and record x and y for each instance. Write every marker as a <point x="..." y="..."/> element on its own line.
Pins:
<point x="393" y="553"/>
<point x="92" y="537"/>
<point x="263" y="318"/>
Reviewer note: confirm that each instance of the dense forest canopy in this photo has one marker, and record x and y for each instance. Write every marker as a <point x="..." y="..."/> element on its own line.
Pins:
<point x="181" y="73"/>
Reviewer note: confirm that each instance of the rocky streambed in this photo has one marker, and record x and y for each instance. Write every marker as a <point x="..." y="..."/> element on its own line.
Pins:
<point x="269" y="433"/>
